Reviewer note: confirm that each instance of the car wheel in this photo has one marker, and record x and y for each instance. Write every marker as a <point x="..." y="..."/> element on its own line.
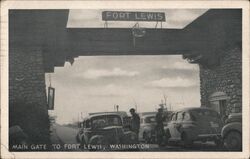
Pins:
<point x="187" y="142"/>
<point x="99" y="140"/>
<point x="233" y="141"/>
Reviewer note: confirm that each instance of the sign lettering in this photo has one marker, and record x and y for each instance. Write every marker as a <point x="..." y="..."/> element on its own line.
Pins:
<point x="133" y="16"/>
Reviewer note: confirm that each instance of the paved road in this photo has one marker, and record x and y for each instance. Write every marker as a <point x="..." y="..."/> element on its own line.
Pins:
<point x="66" y="134"/>
<point x="65" y="137"/>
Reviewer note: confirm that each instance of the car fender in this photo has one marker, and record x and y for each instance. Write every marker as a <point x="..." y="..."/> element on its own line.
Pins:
<point x="96" y="138"/>
<point x="129" y="137"/>
<point x="147" y="130"/>
<point x="234" y="126"/>
<point x="167" y="133"/>
<point x="84" y="138"/>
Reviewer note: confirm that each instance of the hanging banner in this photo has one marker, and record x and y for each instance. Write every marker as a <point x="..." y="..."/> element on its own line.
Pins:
<point x="51" y="98"/>
<point x="133" y="16"/>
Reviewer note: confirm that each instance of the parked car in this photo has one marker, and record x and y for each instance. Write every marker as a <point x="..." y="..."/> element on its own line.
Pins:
<point x="126" y="120"/>
<point x="232" y="132"/>
<point x="147" y="131"/>
<point x="104" y="129"/>
<point x="194" y="124"/>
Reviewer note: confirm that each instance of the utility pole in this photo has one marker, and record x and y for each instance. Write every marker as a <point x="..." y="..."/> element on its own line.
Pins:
<point x="165" y="100"/>
<point x="162" y="104"/>
<point x="78" y="122"/>
<point x="117" y="108"/>
<point x="135" y="104"/>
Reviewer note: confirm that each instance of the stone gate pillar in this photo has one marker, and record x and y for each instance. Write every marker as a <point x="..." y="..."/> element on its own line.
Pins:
<point x="27" y="93"/>
<point x="221" y="86"/>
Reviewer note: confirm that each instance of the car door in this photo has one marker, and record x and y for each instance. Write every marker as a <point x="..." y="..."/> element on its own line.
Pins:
<point x="209" y="121"/>
<point x="188" y="125"/>
<point x="178" y="125"/>
<point x="87" y="131"/>
<point x="171" y="127"/>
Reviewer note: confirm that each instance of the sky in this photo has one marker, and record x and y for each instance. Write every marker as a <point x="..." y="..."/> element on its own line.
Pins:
<point x="97" y="83"/>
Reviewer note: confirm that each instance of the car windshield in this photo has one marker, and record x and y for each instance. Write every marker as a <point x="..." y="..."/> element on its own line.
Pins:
<point x="205" y="113"/>
<point x="105" y="121"/>
<point x="150" y="119"/>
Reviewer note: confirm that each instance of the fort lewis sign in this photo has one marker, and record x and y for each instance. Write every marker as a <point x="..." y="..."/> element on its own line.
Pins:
<point x="133" y="16"/>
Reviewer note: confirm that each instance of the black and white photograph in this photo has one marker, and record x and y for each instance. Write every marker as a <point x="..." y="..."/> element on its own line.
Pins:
<point x="97" y="80"/>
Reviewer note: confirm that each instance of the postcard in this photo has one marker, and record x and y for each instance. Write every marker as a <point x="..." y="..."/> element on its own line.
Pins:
<point x="124" y="79"/>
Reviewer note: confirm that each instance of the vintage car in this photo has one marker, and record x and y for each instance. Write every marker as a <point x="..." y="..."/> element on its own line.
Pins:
<point x="232" y="132"/>
<point x="147" y="131"/>
<point x="104" y="129"/>
<point x="148" y="123"/>
<point x="194" y="124"/>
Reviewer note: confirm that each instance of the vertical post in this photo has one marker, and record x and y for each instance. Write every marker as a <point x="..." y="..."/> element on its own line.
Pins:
<point x="106" y="24"/>
<point x="117" y="108"/>
<point x="156" y="24"/>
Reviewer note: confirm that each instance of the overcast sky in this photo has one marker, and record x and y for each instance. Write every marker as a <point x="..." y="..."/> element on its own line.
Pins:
<point x="97" y="83"/>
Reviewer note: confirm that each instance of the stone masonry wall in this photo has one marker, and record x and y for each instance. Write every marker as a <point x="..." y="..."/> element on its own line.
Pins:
<point x="27" y="76"/>
<point x="227" y="78"/>
<point x="27" y="93"/>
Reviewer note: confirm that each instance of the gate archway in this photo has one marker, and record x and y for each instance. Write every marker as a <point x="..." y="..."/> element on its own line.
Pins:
<point x="39" y="41"/>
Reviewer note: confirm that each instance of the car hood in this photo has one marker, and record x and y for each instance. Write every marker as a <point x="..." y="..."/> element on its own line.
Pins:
<point x="149" y="124"/>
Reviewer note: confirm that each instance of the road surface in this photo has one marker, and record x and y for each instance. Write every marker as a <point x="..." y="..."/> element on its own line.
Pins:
<point x="65" y="137"/>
